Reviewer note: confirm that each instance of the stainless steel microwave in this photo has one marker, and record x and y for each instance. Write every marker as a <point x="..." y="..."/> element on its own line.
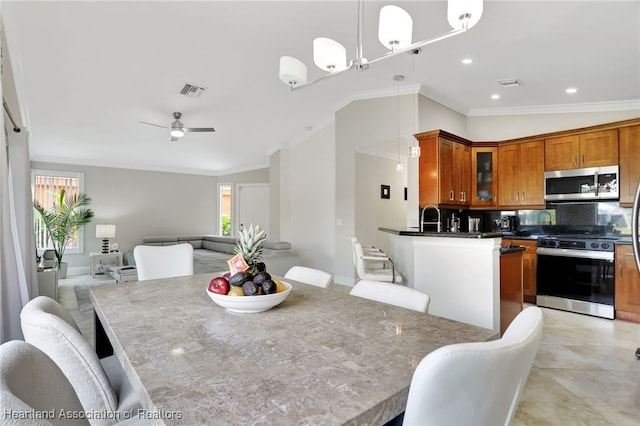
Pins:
<point x="593" y="183"/>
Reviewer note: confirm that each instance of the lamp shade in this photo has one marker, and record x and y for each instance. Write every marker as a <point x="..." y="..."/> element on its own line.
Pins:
<point x="464" y="14"/>
<point x="394" y="27"/>
<point x="105" y="231"/>
<point x="329" y="55"/>
<point x="292" y="70"/>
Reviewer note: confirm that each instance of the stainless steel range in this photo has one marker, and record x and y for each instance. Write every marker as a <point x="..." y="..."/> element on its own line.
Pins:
<point x="576" y="273"/>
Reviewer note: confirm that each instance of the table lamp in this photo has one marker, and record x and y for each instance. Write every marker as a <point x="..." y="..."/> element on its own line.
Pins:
<point x="105" y="232"/>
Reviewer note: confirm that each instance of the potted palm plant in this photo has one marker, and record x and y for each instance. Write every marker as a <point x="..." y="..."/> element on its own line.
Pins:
<point x="69" y="211"/>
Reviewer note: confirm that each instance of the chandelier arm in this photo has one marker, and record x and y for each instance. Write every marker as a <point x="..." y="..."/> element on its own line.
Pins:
<point x="417" y="45"/>
<point x="391" y="54"/>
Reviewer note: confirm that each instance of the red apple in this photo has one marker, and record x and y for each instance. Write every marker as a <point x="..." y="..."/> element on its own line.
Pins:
<point x="227" y="275"/>
<point x="219" y="285"/>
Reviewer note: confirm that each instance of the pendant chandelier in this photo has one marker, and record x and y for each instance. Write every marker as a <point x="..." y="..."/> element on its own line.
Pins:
<point x="394" y="32"/>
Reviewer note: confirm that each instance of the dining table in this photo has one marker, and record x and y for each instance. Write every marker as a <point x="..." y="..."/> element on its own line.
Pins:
<point x="321" y="357"/>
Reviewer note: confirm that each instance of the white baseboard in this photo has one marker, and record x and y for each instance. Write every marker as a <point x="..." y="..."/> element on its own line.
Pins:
<point x="80" y="270"/>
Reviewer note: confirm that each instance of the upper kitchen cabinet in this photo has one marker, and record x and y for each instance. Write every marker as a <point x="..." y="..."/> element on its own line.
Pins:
<point x="629" y="163"/>
<point x="521" y="174"/>
<point x="592" y="149"/>
<point x="484" y="179"/>
<point x="444" y="169"/>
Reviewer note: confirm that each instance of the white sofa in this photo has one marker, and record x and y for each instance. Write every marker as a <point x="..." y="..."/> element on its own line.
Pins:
<point x="211" y="252"/>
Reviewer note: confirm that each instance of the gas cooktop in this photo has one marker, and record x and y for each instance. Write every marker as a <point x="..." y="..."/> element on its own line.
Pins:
<point x="577" y="242"/>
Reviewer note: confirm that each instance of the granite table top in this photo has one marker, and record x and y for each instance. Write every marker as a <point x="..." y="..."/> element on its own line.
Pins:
<point x="321" y="357"/>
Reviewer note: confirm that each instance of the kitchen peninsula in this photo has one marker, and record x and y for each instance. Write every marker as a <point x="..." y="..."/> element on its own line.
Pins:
<point x="459" y="271"/>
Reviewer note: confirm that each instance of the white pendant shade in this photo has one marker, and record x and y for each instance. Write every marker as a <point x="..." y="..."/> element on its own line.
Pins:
<point x="395" y="27"/>
<point x="464" y="14"/>
<point x="329" y="55"/>
<point x="292" y="70"/>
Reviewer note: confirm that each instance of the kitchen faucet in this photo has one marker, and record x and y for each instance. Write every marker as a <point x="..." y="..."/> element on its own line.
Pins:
<point x="422" y="222"/>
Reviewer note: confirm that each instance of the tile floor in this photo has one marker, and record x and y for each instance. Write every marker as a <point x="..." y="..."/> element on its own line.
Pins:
<point x="585" y="372"/>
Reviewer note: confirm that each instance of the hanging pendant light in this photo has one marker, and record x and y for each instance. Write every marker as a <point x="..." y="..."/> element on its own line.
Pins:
<point x="464" y="14"/>
<point x="329" y="55"/>
<point x="394" y="28"/>
<point x="398" y="78"/>
<point x="414" y="150"/>
<point x="394" y="32"/>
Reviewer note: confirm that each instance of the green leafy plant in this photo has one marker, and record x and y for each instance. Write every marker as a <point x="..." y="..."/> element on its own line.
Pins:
<point x="226" y="225"/>
<point x="63" y="219"/>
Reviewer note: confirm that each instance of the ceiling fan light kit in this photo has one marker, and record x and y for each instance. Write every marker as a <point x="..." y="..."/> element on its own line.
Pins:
<point x="394" y="32"/>
<point x="177" y="129"/>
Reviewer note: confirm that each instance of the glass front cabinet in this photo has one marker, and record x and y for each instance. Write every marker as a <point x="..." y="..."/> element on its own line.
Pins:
<point x="484" y="179"/>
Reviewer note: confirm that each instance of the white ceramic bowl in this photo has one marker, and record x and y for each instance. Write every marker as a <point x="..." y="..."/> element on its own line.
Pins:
<point x="250" y="304"/>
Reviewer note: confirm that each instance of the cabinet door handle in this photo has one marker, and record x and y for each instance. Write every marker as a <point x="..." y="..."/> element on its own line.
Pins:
<point x="583" y="159"/>
<point x="452" y="196"/>
<point x="523" y="198"/>
<point x="517" y="197"/>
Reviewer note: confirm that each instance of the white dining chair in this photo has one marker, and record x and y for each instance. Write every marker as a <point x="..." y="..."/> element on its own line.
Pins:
<point x="392" y="294"/>
<point x="375" y="267"/>
<point x="154" y="262"/>
<point x="101" y="385"/>
<point x="309" y="276"/>
<point x="30" y="382"/>
<point x="475" y="383"/>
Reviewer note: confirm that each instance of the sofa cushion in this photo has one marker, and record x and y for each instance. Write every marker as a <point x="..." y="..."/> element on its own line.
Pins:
<point x="220" y="239"/>
<point x="277" y="245"/>
<point x="221" y="247"/>
<point x="159" y="239"/>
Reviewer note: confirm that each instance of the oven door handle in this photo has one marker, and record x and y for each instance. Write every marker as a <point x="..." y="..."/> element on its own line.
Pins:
<point x="583" y="254"/>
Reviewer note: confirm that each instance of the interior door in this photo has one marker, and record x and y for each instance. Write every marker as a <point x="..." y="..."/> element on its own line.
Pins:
<point x="252" y="205"/>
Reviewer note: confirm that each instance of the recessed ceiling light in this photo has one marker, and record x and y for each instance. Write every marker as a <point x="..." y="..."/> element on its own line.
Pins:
<point x="571" y="90"/>
<point x="467" y="61"/>
<point x="495" y="96"/>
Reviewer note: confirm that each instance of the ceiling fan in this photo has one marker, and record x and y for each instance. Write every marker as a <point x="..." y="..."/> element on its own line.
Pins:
<point x="177" y="128"/>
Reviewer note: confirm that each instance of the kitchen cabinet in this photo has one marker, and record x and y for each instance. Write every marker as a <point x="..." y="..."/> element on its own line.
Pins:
<point x="484" y="179"/>
<point x="592" y="149"/>
<point x="529" y="267"/>
<point x="510" y="288"/>
<point x="627" y="288"/>
<point x="629" y="164"/>
<point x="521" y="174"/>
<point x="444" y="169"/>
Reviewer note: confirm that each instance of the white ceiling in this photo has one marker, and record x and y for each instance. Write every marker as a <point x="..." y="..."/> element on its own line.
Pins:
<point x="88" y="72"/>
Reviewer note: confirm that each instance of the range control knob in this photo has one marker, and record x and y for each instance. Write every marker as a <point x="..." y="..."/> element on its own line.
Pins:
<point x="594" y="245"/>
<point x="604" y="246"/>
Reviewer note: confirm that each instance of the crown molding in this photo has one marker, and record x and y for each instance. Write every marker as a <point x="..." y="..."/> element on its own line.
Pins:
<point x="628" y="105"/>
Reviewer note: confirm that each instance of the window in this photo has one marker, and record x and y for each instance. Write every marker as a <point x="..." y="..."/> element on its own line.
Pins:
<point x="44" y="184"/>
<point x="224" y="201"/>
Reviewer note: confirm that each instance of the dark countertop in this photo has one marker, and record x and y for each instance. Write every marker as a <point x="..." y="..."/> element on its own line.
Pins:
<point x="511" y="249"/>
<point x="414" y="232"/>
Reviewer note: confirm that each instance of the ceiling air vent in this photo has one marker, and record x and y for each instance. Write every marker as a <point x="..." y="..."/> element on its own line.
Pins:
<point x="192" y="91"/>
<point x="511" y="82"/>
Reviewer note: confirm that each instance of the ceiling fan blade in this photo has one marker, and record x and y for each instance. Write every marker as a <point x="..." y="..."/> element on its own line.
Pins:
<point x="199" y="129"/>
<point x="151" y="124"/>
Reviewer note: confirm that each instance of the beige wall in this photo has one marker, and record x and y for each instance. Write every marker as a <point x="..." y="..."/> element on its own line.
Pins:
<point x="308" y="198"/>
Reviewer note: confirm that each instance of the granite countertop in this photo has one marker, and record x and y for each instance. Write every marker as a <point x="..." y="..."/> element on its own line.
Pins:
<point x="414" y="232"/>
<point x="320" y="357"/>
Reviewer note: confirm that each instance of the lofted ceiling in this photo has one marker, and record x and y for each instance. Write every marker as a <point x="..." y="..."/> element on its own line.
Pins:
<point x="87" y="72"/>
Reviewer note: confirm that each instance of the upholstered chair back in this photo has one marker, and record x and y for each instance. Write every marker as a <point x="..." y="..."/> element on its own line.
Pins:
<point x="392" y="294"/>
<point x="153" y="262"/>
<point x="30" y="382"/>
<point x="309" y="276"/>
<point x="475" y="383"/>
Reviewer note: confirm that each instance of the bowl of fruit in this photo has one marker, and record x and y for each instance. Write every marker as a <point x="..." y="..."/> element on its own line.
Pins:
<point x="247" y="293"/>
